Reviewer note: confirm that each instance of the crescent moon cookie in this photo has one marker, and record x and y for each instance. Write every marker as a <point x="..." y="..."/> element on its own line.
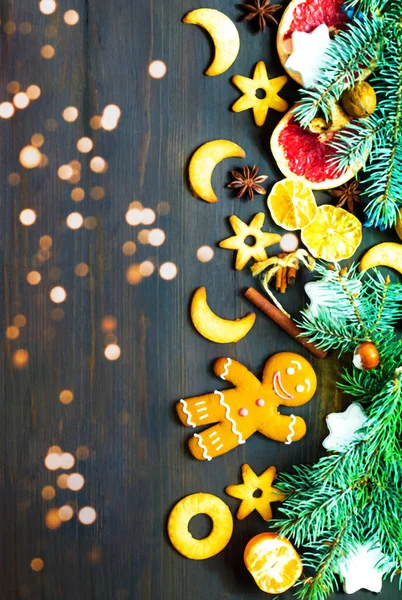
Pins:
<point x="251" y="405"/>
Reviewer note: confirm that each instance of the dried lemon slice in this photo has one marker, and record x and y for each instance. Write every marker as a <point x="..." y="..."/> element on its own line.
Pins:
<point x="334" y="235"/>
<point x="292" y="204"/>
<point x="189" y="507"/>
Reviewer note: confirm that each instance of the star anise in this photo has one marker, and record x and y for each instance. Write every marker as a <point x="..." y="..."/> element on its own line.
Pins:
<point x="263" y="10"/>
<point x="248" y="181"/>
<point x="348" y="195"/>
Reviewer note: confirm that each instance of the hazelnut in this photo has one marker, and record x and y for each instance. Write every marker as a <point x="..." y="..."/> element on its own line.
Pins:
<point x="359" y="101"/>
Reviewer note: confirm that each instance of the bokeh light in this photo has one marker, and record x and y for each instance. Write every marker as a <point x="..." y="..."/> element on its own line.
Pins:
<point x="51" y="124"/>
<point x="47" y="7"/>
<point x="27" y="216"/>
<point x="148" y="216"/>
<point x="156" y="237"/>
<point x="45" y="242"/>
<point x="87" y="515"/>
<point x="67" y="461"/>
<point x="62" y="481"/>
<point x="112" y="352"/>
<point x="52" y="461"/>
<point x="205" y="253"/>
<point x="129" y="248"/>
<point x="34" y="277"/>
<point x="48" y="492"/>
<point x="58" y="294"/>
<point x="133" y="274"/>
<point x="70" y="114"/>
<point x="66" y="396"/>
<point x="6" y="110"/>
<point x="13" y="87"/>
<point x="37" y="140"/>
<point x="157" y="69"/>
<point x="19" y="321"/>
<point x="133" y="216"/>
<point x="37" y="564"/>
<point x="14" y="179"/>
<point x="12" y="332"/>
<point x="97" y="192"/>
<point x="77" y="194"/>
<point x="66" y="513"/>
<point x="90" y="222"/>
<point x="9" y="27"/>
<point x="143" y="236"/>
<point x="52" y="519"/>
<point x="168" y="271"/>
<point x="48" y="51"/>
<point x="65" y="172"/>
<point x="75" y="482"/>
<point x="84" y="145"/>
<point x="71" y="17"/>
<point x="20" y="358"/>
<point x="108" y="324"/>
<point x="30" y="157"/>
<point x="163" y="209"/>
<point x="82" y="453"/>
<point x="98" y="164"/>
<point x="95" y="122"/>
<point x="33" y="92"/>
<point x="146" y="268"/>
<point x="25" y="28"/>
<point x="110" y="117"/>
<point x="21" y="100"/>
<point x="75" y="220"/>
<point x="81" y="269"/>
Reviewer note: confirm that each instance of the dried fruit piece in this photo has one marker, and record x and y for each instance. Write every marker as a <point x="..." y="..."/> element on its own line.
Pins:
<point x="359" y="101"/>
<point x="292" y="204"/>
<point x="387" y="254"/>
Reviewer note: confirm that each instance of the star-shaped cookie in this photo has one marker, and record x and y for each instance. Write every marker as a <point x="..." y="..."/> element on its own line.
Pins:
<point x="359" y="570"/>
<point x="269" y="88"/>
<point x="253" y="483"/>
<point x="317" y="291"/>
<point x="307" y="53"/>
<point x="242" y="231"/>
<point x="343" y="427"/>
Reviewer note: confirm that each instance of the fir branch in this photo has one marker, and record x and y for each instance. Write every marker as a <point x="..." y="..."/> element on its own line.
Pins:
<point x="346" y="59"/>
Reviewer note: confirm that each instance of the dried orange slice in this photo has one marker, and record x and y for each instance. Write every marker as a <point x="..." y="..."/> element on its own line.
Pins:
<point x="292" y="204"/>
<point x="334" y="235"/>
<point x="273" y="562"/>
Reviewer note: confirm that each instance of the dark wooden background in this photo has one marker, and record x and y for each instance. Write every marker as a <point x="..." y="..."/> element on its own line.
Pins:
<point x="138" y="464"/>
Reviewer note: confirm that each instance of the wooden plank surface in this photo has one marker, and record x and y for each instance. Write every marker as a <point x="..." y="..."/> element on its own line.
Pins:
<point x="138" y="465"/>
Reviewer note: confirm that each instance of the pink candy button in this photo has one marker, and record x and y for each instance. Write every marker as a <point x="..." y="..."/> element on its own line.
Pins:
<point x="243" y="412"/>
<point x="260" y="402"/>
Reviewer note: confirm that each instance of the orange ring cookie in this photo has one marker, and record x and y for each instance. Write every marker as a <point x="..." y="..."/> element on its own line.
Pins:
<point x="189" y="507"/>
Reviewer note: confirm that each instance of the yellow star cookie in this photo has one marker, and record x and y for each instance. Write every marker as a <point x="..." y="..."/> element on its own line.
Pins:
<point x="253" y="483"/>
<point x="242" y="231"/>
<point x="249" y="88"/>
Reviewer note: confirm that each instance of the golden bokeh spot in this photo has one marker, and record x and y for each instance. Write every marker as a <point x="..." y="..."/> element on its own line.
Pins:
<point x="67" y="460"/>
<point x="205" y="253"/>
<point x="97" y="192"/>
<point x="157" y="69"/>
<point x="6" y="110"/>
<point x="66" y="396"/>
<point x="133" y="216"/>
<point x="112" y="352"/>
<point x="81" y="269"/>
<point x="37" y="564"/>
<point x="163" y="209"/>
<point x="156" y="237"/>
<point x="168" y="271"/>
<point x="48" y="492"/>
<point x="51" y="125"/>
<point x="57" y="314"/>
<point x="65" y="172"/>
<point x="21" y="100"/>
<point x="87" y="515"/>
<point x="108" y="324"/>
<point x="52" y="519"/>
<point x="75" y="220"/>
<point x="82" y="453"/>
<point x="146" y="268"/>
<point x="55" y="449"/>
<point x="13" y="87"/>
<point x="133" y="274"/>
<point x="75" y="482"/>
<point x="71" y="17"/>
<point x="66" y="513"/>
<point x="136" y="204"/>
<point x="47" y="51"/>
<point x="10" y="27"/>
<point x="34" y="277"/>
<point x="25" y="28"/>
<point x="37" y="140"/>
<point x="110" y="117"/>
<point x="96" y="122"/>
<point x="44" y="161"/>
<point x="58" y="294"/>
<point x="45" y="242"/>
<point x="129" y="248"/>
<point x="30" y="157"/>
<point x="14" y="179"/>
<point x="43" y="255"/>
<point x="51" y="30"/>
<point x="12" y="332"/>
<point x="90" y="222"/>
<point x="70" y="114"/>
<point x="98" y="164"/>
<point x="27" y="216"/>
<point x="20" y="321"/>
<point x="84" y="145"/>
<point x="52" y="461"/>
<point x="33" y="92"/>
<point x="110" y="338"/>
<point x="148" y="216"/>
<point x="143" y="236"/>
<point x="62" y="481"/>
<point x="77" y="194"/>
<point x="47" y="7"/>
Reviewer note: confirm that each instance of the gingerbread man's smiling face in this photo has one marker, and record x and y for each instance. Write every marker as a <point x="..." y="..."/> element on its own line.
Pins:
<point x="291" y="378"/>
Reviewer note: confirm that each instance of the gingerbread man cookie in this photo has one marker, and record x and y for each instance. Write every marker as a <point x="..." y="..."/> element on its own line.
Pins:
<point x="252" y="405"/>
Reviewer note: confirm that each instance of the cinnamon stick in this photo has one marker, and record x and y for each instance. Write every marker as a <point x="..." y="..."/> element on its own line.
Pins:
<point x="283" y="282"/>
<point x="291" y="275"/>
<point x="283" y="321"/>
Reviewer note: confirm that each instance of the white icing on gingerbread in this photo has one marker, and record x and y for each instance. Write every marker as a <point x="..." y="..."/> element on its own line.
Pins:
<point x="292" y="431"/>
<point x="290" y="371"/>
<point x="229" y="418"/>
<point x="278" y="383"/>
<point x="187" y="412"/>
<point x="203" y="448"/>
<point x="298" y="365"/>
<point x="308" y="384"/>
<point x="300" y="388"/>
<point x="226" y="369"/>
<point x="219" y="447"/>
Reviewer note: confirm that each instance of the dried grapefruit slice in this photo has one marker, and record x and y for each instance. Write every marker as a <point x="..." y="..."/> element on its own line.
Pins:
<point x="334" y="235"/>
<point x="273" y="562"/>
<point x="306" y="15"/>
<point x="292" y="204"/>
<point x="303" y="154"/>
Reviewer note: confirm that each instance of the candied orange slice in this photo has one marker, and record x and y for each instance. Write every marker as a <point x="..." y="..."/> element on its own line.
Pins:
<point x="292" y="204"/>
<point x="335" y="234"/>
<point x="273" y="562"/>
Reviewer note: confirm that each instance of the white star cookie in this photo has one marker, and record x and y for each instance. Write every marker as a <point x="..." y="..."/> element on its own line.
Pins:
<point x="343" y="427"/>
<point x="359" y="570"/>
<point x="307" y="53"/>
